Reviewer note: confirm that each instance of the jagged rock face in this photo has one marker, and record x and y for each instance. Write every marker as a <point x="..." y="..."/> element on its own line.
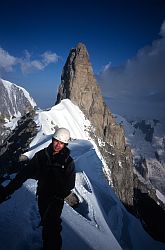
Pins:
<point x="149" y="208"/>
<point x="17" y="143"/>
<point x="80" y="86"/>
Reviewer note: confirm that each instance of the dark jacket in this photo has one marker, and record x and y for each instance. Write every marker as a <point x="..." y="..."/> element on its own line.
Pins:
<point x="55" y="174"/>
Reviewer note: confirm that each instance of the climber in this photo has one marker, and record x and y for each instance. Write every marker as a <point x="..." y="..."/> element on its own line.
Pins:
<point x="54" y="170"/>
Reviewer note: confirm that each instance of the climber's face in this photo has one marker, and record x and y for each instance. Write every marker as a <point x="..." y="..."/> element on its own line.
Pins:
<point x="57" y="146"/>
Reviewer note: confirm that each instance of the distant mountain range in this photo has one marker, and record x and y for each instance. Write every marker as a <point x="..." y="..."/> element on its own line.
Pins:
<point x="147" y="142"/>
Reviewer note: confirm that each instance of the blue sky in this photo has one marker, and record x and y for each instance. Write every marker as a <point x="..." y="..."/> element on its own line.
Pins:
<point x="36" y="37"/>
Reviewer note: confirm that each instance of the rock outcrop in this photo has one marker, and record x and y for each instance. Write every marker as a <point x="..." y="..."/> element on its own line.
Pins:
<point x="13" y="147"/>
<point x="80" y="86"/>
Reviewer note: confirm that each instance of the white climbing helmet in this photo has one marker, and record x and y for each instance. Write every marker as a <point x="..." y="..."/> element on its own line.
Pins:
<point x="62" y="134"/>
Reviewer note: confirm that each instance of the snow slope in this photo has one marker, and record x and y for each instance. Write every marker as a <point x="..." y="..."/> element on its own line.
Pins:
<point x="100" y="222"/>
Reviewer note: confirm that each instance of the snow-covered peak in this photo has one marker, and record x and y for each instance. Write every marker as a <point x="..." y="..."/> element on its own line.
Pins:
<point x="14" y="100"/>
<point x="10" y="88"/>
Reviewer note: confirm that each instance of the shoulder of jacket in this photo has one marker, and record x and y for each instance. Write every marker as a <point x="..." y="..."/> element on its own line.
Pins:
<point x="40" y="154"/>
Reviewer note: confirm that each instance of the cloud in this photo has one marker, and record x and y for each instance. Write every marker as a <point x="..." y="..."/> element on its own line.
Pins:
<point x="140" y="81"/>
<point x="7" y="62"/>
<point x="49" y="57"/>
<point x="26" y="63"/>
<point x="162" y="29"/>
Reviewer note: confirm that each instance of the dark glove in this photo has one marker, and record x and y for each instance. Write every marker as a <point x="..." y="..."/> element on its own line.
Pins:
<point x="3" y="194"/>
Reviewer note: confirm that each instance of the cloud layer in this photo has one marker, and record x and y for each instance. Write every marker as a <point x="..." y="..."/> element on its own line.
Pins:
<point x="26" y="63"/>
<point x="140" y="83"/>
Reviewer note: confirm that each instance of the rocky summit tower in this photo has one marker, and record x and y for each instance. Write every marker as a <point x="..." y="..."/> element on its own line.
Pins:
<point x="80" y="86"/>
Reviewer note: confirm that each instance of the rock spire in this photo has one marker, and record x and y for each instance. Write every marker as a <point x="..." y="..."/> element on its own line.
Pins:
<point x="80" y="86"/>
